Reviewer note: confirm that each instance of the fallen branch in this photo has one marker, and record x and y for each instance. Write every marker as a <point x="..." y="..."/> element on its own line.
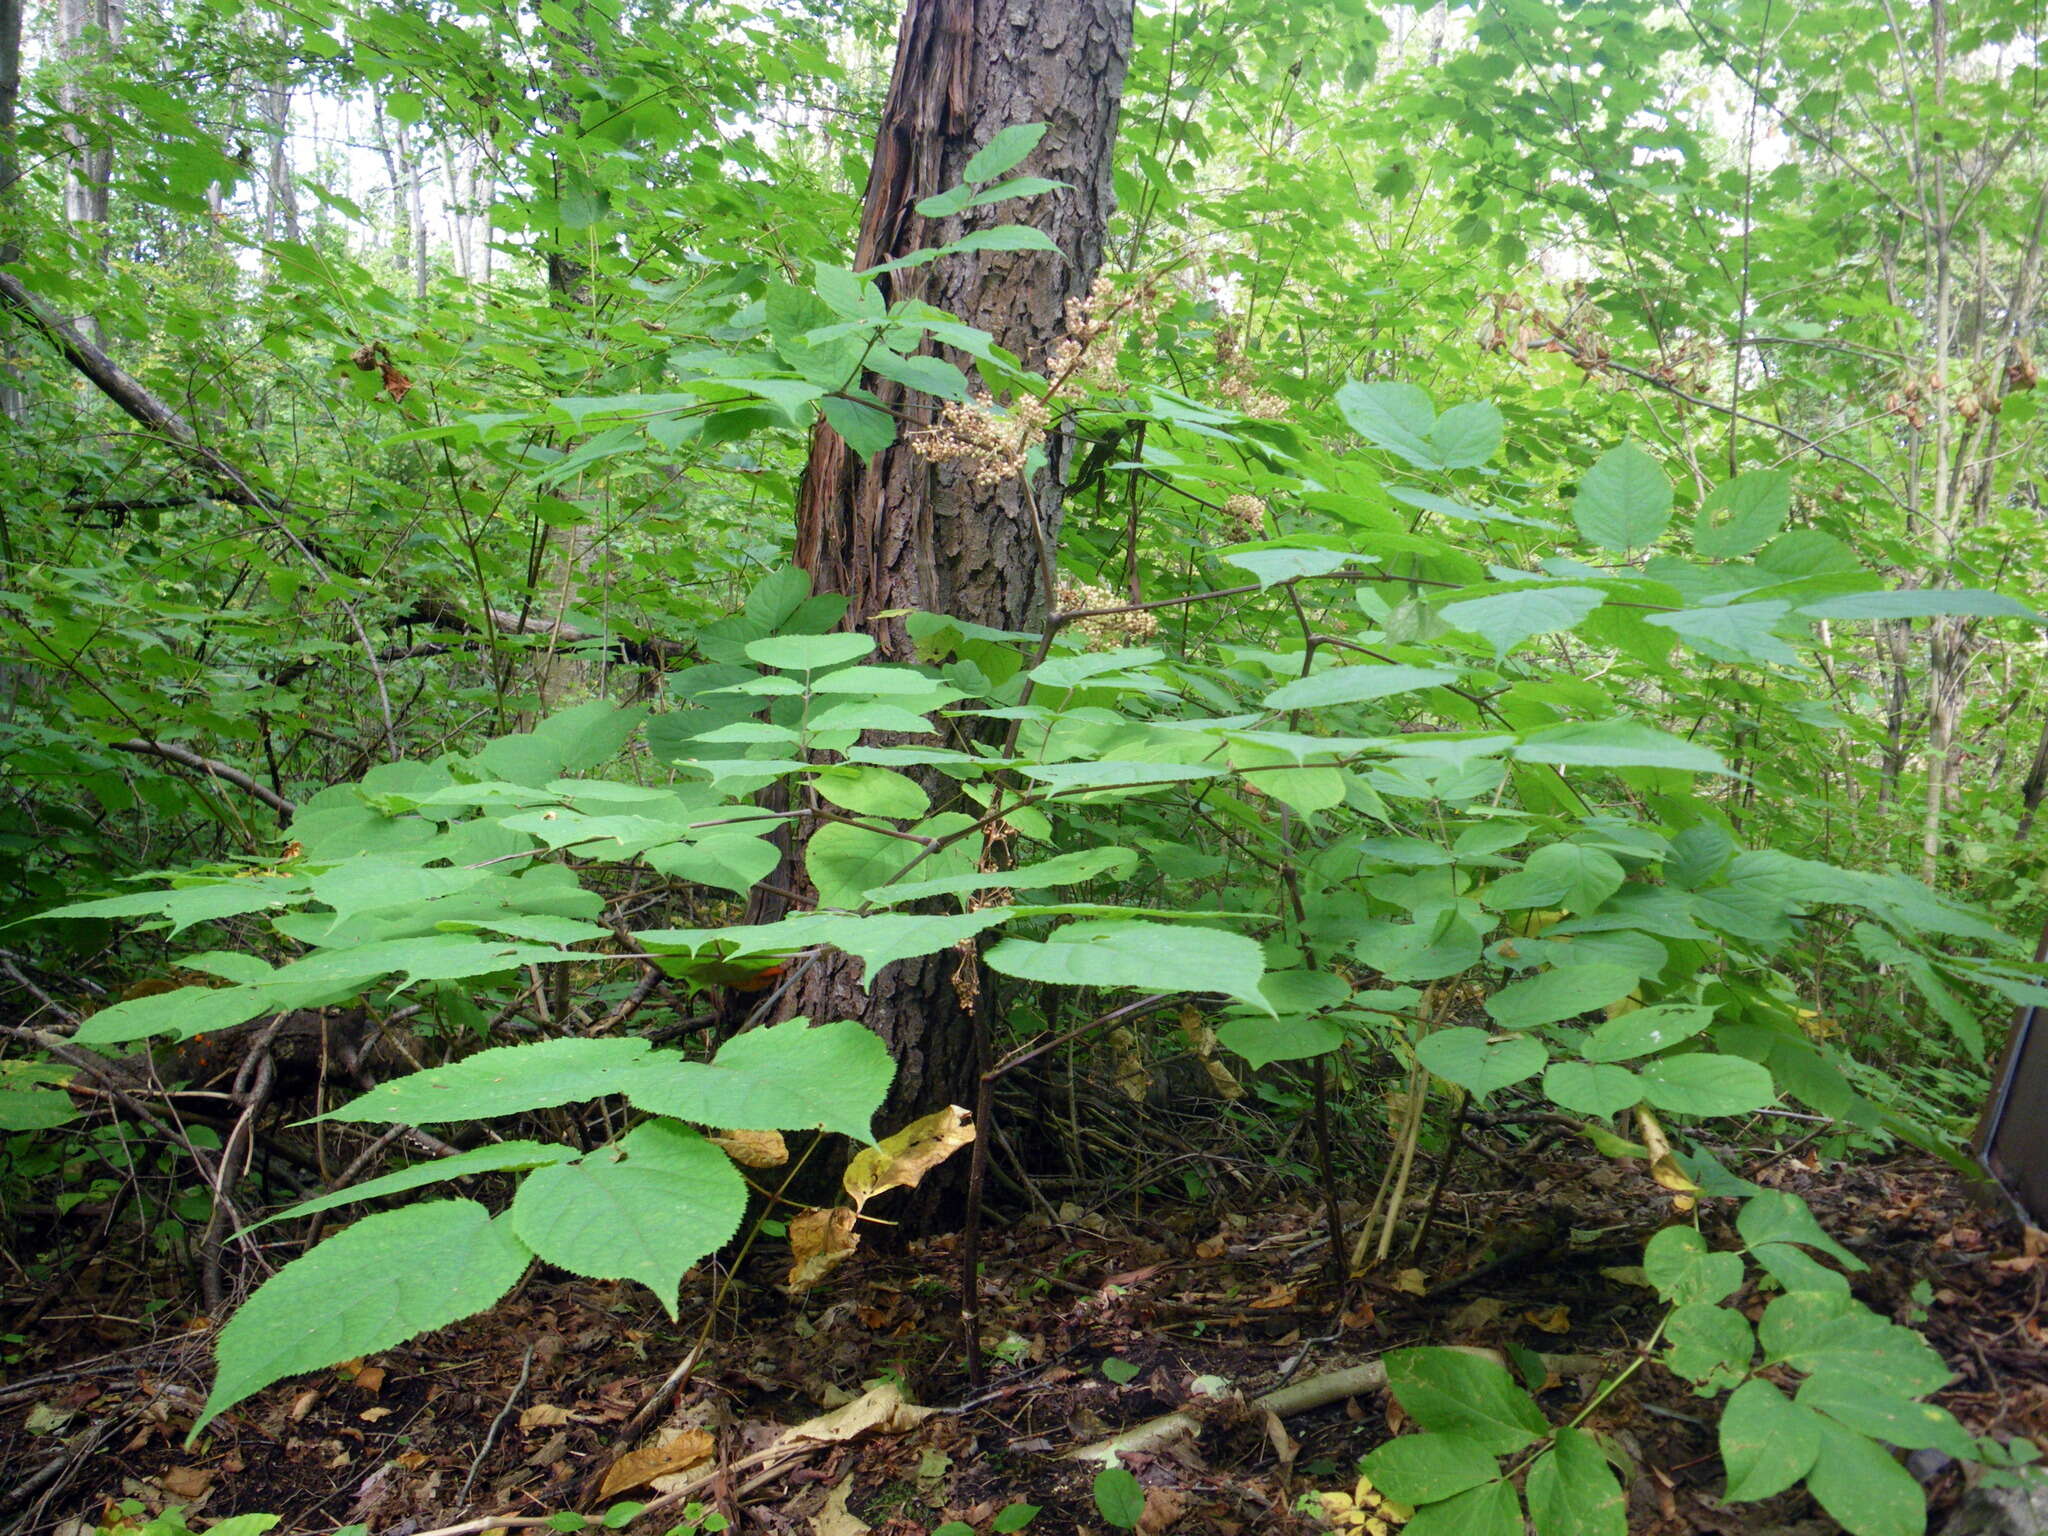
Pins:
<point x="142" y="746"/>
<point x="1301" y="1397"/>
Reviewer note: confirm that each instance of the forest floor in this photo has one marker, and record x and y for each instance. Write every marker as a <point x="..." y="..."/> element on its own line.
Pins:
<point x="1102" y="1318"/>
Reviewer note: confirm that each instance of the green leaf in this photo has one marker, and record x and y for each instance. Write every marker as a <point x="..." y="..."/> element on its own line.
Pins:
<point x="1573" y="1491"/>
<point x="785" y="1077"/>
<point x="1570" y="875"/>
<point x="373" y="1285"/>
<point x="644" y="1210"/>
<point x="1646" y="1030"/>
<point x="1118" y="1498"/>
<point x="1768" y="1442"/>
<point x="870" y="791"/>
<point x="1004" y="237"/>
<point x="1402" y="419"/>
<point x="809" y="653"/>
<point x="928" y="375"/>
<point x="1795" y="1269"/>
<point x="184" y="1013"/>
<point x="505" y="1080"/>
<point x="1073" y="671"/>
<point x="1003" y="152"/>
<point x="1831" y="1333"/>
<point x="1778" y="1216"/>
<point x="882" y="938"/>
<point x="1920" y="603"/>
<point x="1425" y="1469"/>
<point x="35" y="1109"/>
<point x="867" y="431"/>
<point x="1120" y="1371"/>
<point x="1684" y="1269"/>
<point x="1709" y="1344"/>
<point x="1160" y="957"/>
<point x="1563" y="993"/>
<point x="733" y="862"/>
<point x="1737" y="632"/>
<point x="1062" y="869"/>
<point x="1588" y="1089"/>
<point x="1491" y="1509"/>
<point x="1506" y="619"/>
<point x="1013" y="1517"/>
<point x="1895" y="1420"/>
<point x="494" y="1157"/>
<point x="1743" y="513"/>
<point x="1294" y="1037"/>
<point x="1425" y="950"/>
<point x="1856" y="1480"/>
<point x="1707" y="1084"/>
<point x="1615" y="744"/>
<point x="1624" y="500"/>
<point x="1451" y="1392"/>
<point x="1480" y="1063"/>
<point x="1355" y="685"/>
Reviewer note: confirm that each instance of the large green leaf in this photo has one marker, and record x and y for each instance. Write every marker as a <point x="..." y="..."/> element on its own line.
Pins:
<point x="186" y="1012"/>
<point x="1768" y="1442"/>
<point x="1779" y="1216"/>
<point x="1573" y="1492"/>
<point x="1062" y="869"/>
<point x="1707" y="1083"/>
<point x="1920" y="603"/>
<point x="1160" y="957"/>
<point x="1742" y="513"/>
<point x="1858" y="1482"/>
<point x="373" y="1285"/>
<point x="492" y="1157"/>
<point x="1709" y="1344"/>
<point x="1624" y="500"/>
<point x="644" y="1210"/>
<point x="1563" y="993"/>
<point x="505" y="1080"/>
<point x="1831" y="1333"/>
<point x="1684" y="1269"/>
<point x="785" y="1077"/>
<point x="1588" y="1088"/>
<point x="1508" y="618"/>
<point x="1479" y="1063"/>
<point x="1291" y="1037"/>
<point x="1737" y="632"/>
<point x="1616" y="744"/>
<point x="1355" y="685"/>
<point x="1423" y="1469"/>
<point x="1569" y="875"/>
<point x="1491" y="1509"/>
<point x="1644" y="1031"/>
<point x="1451" y="1392"/>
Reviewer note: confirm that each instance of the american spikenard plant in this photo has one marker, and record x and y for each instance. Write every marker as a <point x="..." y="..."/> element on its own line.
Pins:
<point x="1400" y="768"/>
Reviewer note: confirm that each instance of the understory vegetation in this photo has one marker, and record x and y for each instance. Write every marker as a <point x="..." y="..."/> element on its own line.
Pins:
<point x="643" y="677"/>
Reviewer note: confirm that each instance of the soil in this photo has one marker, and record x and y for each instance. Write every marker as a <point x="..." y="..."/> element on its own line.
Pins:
<point x="1095" y="1319"/>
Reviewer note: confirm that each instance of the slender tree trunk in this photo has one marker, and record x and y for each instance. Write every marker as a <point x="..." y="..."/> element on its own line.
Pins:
<point x="13" y="404"/>
<point x="899" y="533"/>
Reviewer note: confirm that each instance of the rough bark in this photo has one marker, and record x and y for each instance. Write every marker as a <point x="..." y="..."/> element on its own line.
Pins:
<point x="898" y="533"/>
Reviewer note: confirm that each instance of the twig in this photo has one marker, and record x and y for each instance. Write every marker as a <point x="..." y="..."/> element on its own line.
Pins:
<point x="213" y="768"/>
<point x="622" y="1441"/>
<point x="491" y="1435"/>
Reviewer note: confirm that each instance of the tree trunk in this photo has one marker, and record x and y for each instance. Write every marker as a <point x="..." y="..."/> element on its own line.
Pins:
<point x="899" y="533"/>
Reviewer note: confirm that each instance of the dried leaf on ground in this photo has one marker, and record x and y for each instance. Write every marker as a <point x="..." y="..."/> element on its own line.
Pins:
<point x="835" y="1519"/>
<point x="880" y="1409"/>
<point x="902" y="1160"/>
<point x="683" y="1450"/>
<point x="819" y="1242"/>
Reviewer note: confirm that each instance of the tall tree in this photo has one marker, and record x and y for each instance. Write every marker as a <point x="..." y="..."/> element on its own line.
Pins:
<point x="901" y="533"/>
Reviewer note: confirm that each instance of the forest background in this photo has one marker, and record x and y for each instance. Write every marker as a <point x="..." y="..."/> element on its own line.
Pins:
<point x="1443" y="562"/>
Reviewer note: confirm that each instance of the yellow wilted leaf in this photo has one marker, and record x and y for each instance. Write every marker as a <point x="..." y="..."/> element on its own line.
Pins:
<point x="753" y="1149"/>
<point x="819" y="1242"/>
<point x="685" y="1450"/>
<point x="1663" y="1163"/>
<point x="1411" y="1281"/>
<point x="900" y="1161"/>
<point x="1551" y="1320"/>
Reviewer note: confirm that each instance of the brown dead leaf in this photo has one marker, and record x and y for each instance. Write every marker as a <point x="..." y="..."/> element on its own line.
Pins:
<point x="835" y="1519"/>
<point x="187" y="1482"/>
<point x="754" y="1149"/>
<point x="303" y="1403"/>
<point x="1278" y="1295"/>
<point x="1478" y="1314"/>
<point x="370" y="1378"/>
<point x="900" y="1161"/>
<point x="1411" y="1281"/>
<point x="1550" y="1319"/>
<point x="1212" y="1247"/>
<point x="412" y="1461"/>
<point x="372" y="1415"/>
<point x="1163" y="1506"/>
<point x="880" y="1409"/>
<point x="683" y="1450"/>
<point x="543" y="1416"/>
<point x="819" y="1242"/>
<point x="1128" y="1073"/>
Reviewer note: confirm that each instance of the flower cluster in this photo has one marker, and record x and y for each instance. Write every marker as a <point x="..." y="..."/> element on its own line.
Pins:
<point x="1105" y="629"/>
<point x="990" y="443"/>
<point x="1247" y="511"/>
<point x="1236" y="385"/>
